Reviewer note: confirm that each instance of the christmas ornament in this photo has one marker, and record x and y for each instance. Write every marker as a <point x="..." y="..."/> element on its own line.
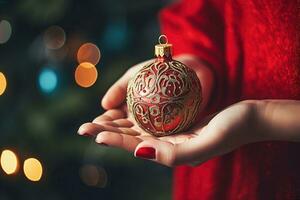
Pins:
<point x="165" y="95"/>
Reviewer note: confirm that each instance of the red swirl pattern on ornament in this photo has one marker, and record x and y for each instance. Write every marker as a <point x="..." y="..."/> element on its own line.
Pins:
<point x="164" y="97"/>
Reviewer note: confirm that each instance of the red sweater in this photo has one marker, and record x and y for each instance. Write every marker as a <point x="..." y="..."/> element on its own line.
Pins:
<point x="253" y="47"/>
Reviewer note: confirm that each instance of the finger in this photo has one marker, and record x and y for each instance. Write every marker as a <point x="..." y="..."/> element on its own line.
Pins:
<point x="129" y="131"/>
<point x="116" y="123"/>
<point x="110" y="115"/>
<point x="115" y="95"/>
<point x="123" y="123"/>
<point x="156" y="150"/>
<point x="92" y="129"/>
<point x="118" y="140"/>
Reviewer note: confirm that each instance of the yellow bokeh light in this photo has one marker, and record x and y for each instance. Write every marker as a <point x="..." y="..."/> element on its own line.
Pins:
<point x="9" y="162"/>
<point x="88" y="52"/>
<point x="33" y="169"/>
<point x="86" y="74"/>
<point x="3" y="83"/>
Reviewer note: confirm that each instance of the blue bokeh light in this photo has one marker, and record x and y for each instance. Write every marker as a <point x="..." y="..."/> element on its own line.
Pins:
<point x="47" y="80"/>
<point x="115" y="36"/>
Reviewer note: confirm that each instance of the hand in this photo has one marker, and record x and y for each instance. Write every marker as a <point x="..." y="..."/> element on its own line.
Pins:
<point x="214" y="136"/>
<point x="116" y="128"/>
<point x="241" y="123"/>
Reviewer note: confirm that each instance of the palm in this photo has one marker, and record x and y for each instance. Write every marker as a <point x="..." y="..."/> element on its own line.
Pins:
<point x="215" y="136"/>
<point x="119" y="129"/>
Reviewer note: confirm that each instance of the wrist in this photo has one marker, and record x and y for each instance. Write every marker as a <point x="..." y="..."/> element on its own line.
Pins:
<point x="279" y="120"/>
<point x="260" y="124"/>
<point x="253" y="127"/>
<point x="270" y="125"/>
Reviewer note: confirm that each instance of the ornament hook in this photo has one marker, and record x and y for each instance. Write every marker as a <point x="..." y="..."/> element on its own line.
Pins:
<point x="163" y="39"/>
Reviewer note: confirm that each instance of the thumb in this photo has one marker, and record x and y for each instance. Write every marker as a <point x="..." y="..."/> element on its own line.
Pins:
<point x="196" y="150"/>
<point x="116" y="94"/>
<point x="156" y="150"/>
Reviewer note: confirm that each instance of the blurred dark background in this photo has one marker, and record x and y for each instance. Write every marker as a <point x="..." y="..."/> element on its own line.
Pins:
<point x="42" y="106"/>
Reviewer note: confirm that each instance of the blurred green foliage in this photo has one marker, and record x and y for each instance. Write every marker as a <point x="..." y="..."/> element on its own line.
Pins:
<point x="35" y="124"/>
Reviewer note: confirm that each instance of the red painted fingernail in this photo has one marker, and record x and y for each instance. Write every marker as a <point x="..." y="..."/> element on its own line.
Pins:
<point x="145" y="152"/>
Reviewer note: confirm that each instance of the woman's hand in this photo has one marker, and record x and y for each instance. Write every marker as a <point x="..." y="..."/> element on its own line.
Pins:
<point x="239" y="124"/>
<point x="115" y="128"/>
<point x="242" y="123"/>
<point x="222" y="133"/>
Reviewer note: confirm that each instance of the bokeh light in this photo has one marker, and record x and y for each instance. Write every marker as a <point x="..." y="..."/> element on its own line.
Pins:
<point x="86" y="74"/>
<point x="5" y="31"/>
<point x="47" y="80"/>
<point x="88" y="52"/>
<point x="54" y="37"/>
<point x="92" y="175"/>
<point x="9" y="162"/>
<point x="3" y="83"/>
<point x="75" y="40"/>
<point x="116" y="35"/>
<point x="42" y="12"/>
<point x="33" y="169"/>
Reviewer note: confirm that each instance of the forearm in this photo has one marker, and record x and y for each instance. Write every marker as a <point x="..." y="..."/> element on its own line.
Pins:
<point x="204" y="74"/>
<point x="279" y="119"/>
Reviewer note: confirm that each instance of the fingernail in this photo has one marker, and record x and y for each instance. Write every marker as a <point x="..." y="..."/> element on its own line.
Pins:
<point x="80" y="131"/>
<point x="102" y="143"/>
<point x="145" y="152"/>
<point x="83" y="133"/>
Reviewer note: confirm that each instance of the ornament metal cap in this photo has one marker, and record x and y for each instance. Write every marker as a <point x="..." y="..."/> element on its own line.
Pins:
<point x="163" y="49"/>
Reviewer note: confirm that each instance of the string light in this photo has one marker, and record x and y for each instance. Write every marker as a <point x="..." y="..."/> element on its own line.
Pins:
<point x="88" y="52"/>
<point x="3" y="83"/>
<point x="86" y="74"/>
<point x="33" y="169"/>
<point x="9" y="162"/>
<point x="5" y="31"/>
<point x="47" y="80"/>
